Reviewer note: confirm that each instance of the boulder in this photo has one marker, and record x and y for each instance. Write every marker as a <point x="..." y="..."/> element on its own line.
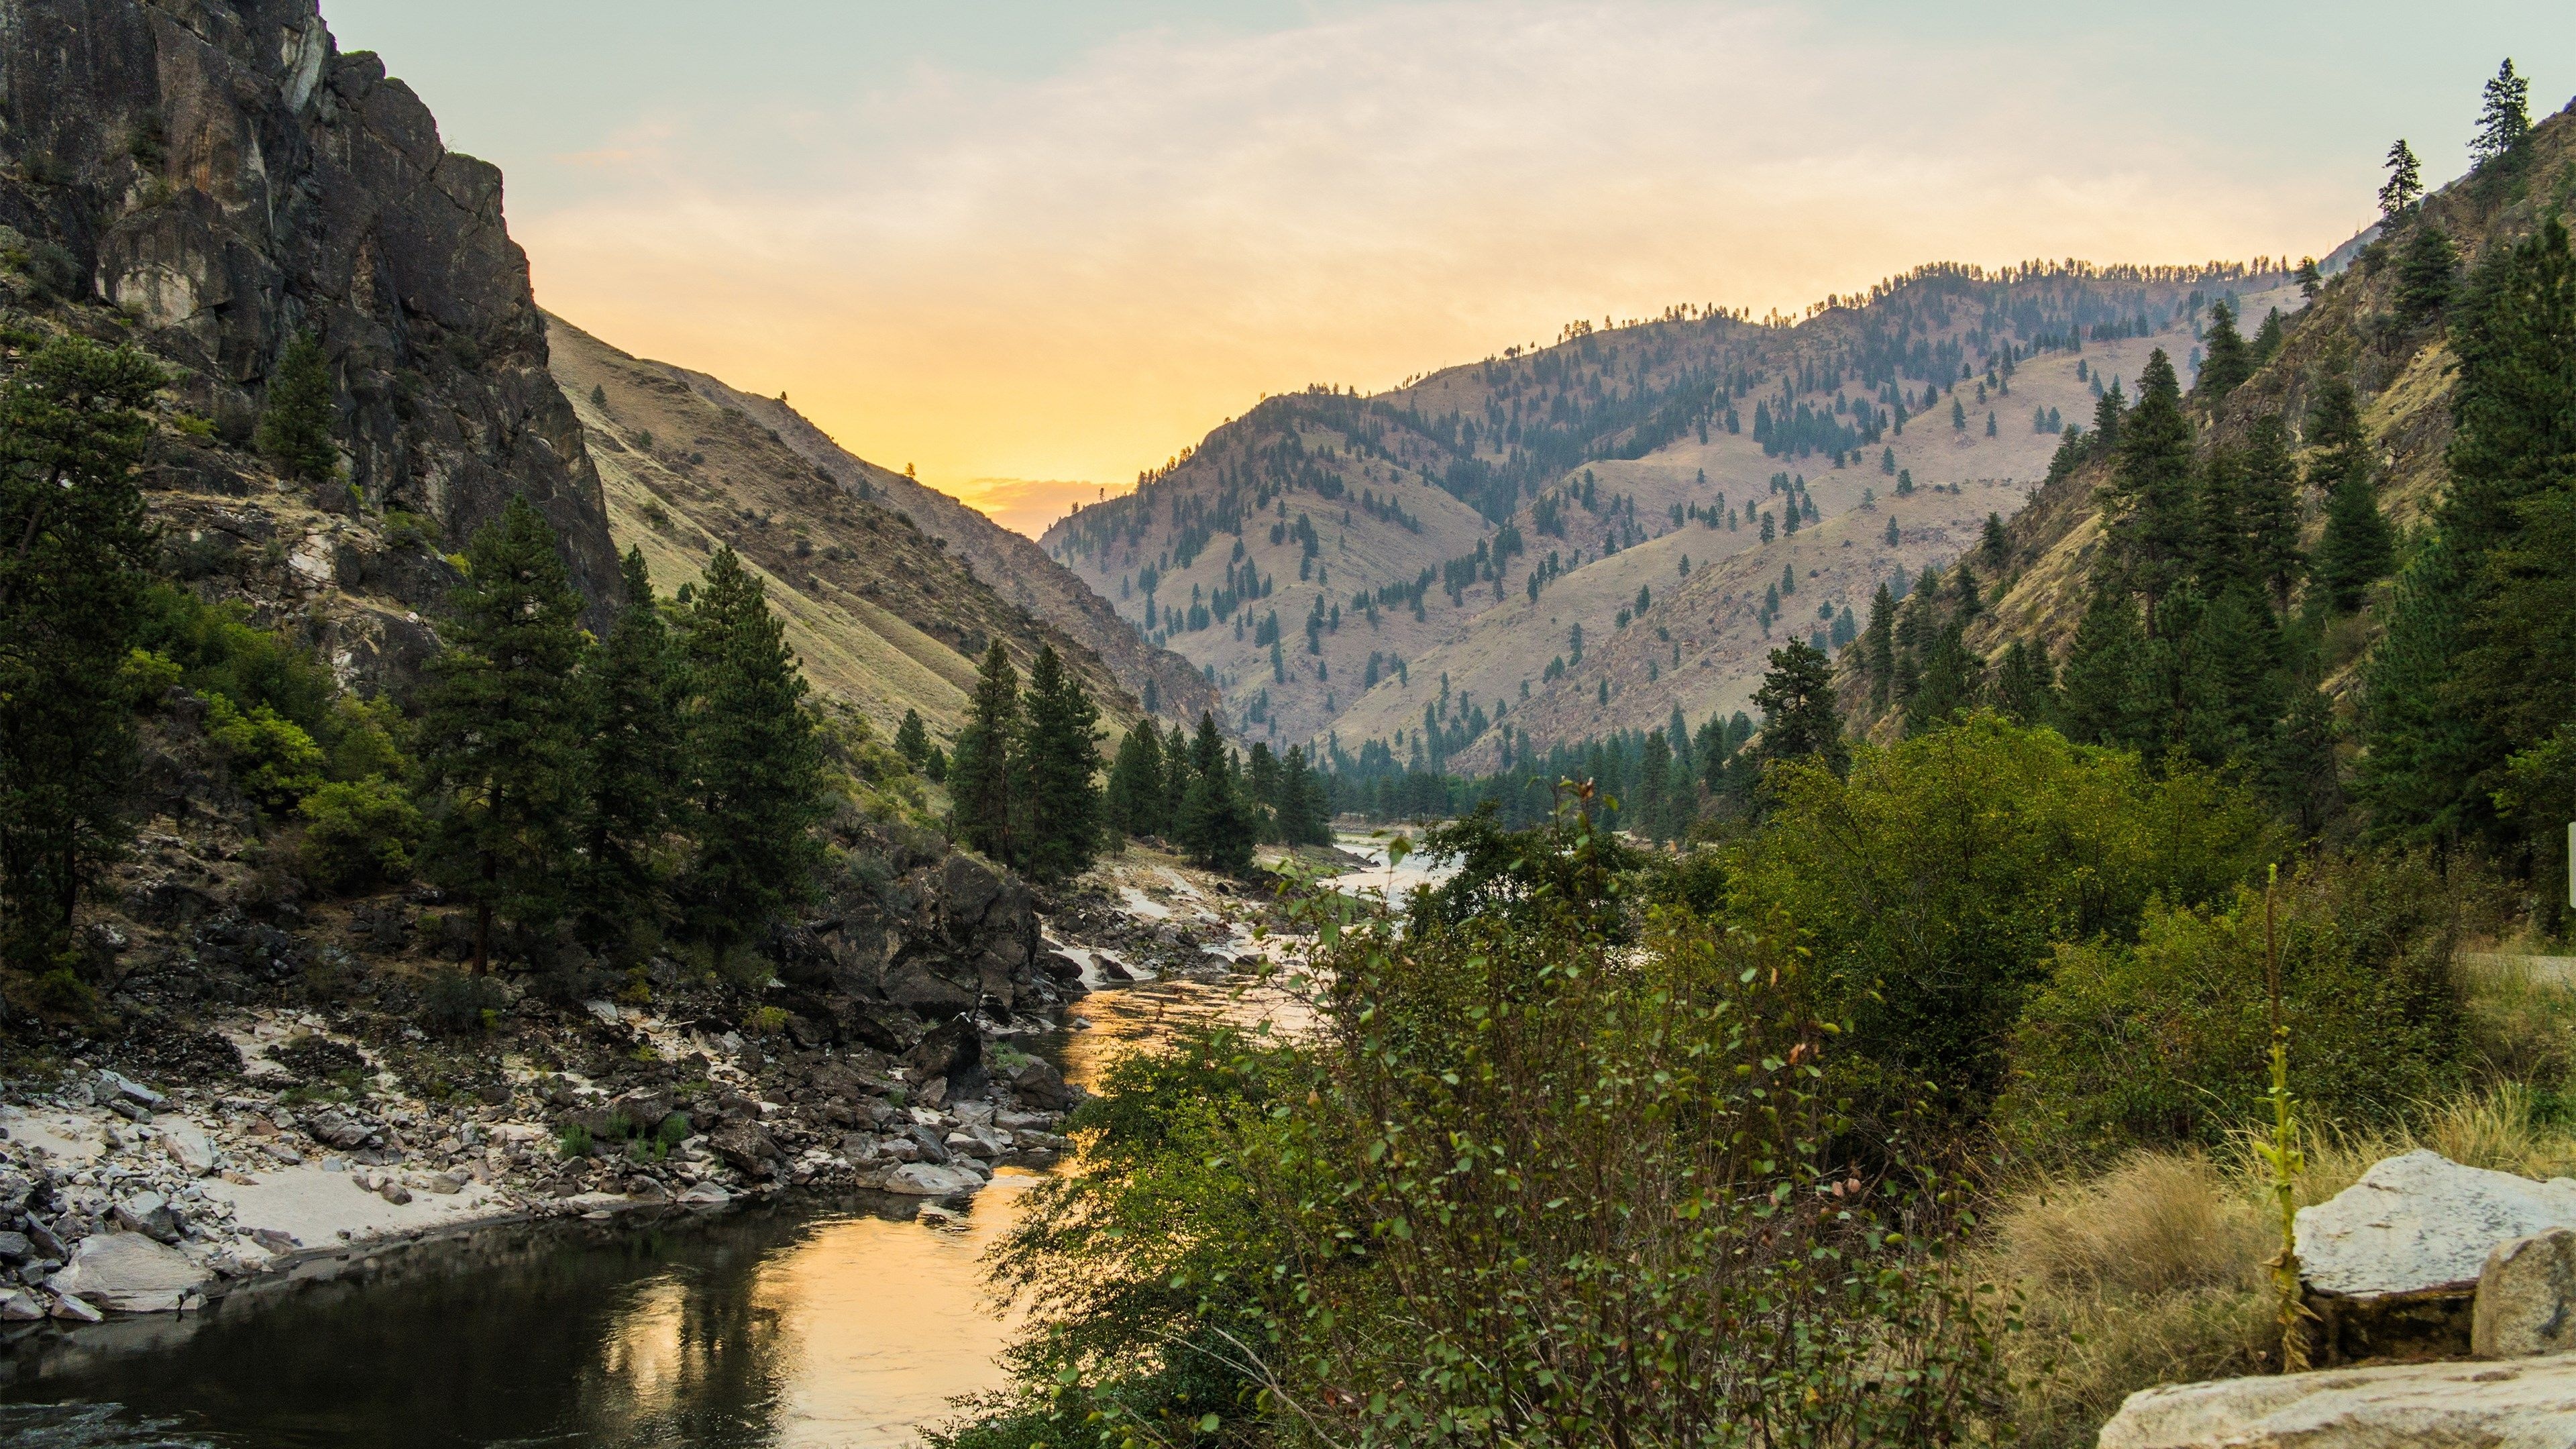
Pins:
<point x="1041" y="1085"/>
<point x="2525" y="1404"/>
<point x="951" y="1049"/>
<point x="746" y="1147"/>
<point x="14" y="1248"/>
<point x="2421" y="1221"/>
<point x="188" y="1145"/>
<point x="2391" y="1264"/>
<point x="71" y="1309"/>
<point x="129" y="1273"/>
<point x="2526" y="1303"/>
<point x="930" y="1179"/>
<point x="20" y="1306"/>
<point x="114" y="1087"/>
<point x="705" y="1195"/>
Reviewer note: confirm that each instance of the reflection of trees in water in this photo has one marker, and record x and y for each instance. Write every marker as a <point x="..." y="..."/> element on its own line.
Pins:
<point x="590" y="1334"/>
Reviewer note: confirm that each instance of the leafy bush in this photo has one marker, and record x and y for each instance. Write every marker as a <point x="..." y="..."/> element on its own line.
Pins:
<point x="456" y="1003"/>
<point x="220" y="652"/>
<point x="359" y="834"/>
<point x="274" y="762"/>
<point x="1933" y="883"/>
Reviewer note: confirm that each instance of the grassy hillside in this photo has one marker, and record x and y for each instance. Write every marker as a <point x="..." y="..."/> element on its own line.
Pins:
<point x="885" y="614"/>
<point x="2401" y="368"/>
<point x="1367" y="515"/>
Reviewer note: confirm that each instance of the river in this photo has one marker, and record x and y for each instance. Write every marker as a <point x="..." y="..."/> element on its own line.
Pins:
<point x="842" y="1323"/>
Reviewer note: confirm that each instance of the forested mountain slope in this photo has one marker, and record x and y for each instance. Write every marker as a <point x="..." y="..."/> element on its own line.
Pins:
<point x="884" y="612"/>
<point x="1333" y="557"/>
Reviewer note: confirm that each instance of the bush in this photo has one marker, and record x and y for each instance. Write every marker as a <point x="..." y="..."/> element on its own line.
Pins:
<point x="1933" y="883"/>
<point x="220" y="652"/>
<point x="459" y="1003"/>
<point x="274" y="762"/>
<point x="359" y="834"/>
<point x="2165" y="1042"/>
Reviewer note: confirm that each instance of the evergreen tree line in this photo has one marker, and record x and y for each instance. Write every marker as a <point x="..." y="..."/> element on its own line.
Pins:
<point x="1216" y="804"/>
<point x="1023" y="783"/>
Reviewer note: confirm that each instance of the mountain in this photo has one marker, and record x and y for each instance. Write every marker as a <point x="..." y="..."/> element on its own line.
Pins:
<point x="1394" y="537"/>
<point x="885" y="613"/>
<point x="211" y="181"/>
<point x="1013" y="564"/>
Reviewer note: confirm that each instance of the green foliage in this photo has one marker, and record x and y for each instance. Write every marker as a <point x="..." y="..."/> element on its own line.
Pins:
<point x="273" y="761"/>
<point x="2426" y="273"/>
<point x="296" y="418"/>
<point x="1800" y="719"/>
<point x="2160" y="1042"/>
<point x="74" y="547"/>
<point x="2226" y="361"/>
<point x="1058" y="761"/>
<point x="634" y="686"/>
<point x="455" y="1003"/>
<point x="912" y="739"/>
<point x="220" y="652"/>
<point x="2504" y="116"/>
<point x="500" y="729"/>
<point x="1933" y="883"/>
<point x="984" y="805"/>
<point x="359" y="834"/>
<point x="1135" y="798"/>
<point x="755" y="763"/>
<point x="2356" y="551"/>
<point x="1216" y="824"/>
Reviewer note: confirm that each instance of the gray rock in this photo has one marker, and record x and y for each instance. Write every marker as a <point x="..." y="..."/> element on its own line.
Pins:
<point x="2526" y="1302"/>
<point x="1041" y="1085"/>
<point x="394" y="1192"/>
<point x="14" y="1248"/>
<point x="2420" y="1222"/>
<point x="114" y="1087"/>
<point x="276" y="1241"/>
<point x="189" y="1146"/>
<point x="2526" y="1404"/>
<point x="705" y="1195"/>
<point x="129" y="1273"/>
<point x="929" y="1179"/>
<point x="148" y="1213"/>
<point x="71" y="1309"/>
<point x="20" y="1306"/>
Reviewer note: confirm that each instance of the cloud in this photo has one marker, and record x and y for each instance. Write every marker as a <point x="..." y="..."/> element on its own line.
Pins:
<point x="1074" y="277"/>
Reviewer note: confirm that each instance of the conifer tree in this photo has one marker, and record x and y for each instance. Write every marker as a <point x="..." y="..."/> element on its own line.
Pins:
<point x="2100" y="697"/>
<point x="755" y="764"/>
<point x="2404" y="187"/>
<point x="500" y="729"/>
<point x="1135" y="802"/>
<point x="1059" y="758"/>
<point x="2227" y="363"/>
<point x="2152" y="475"/>
<point x="1799" y="718"/>
<point x="2504" y="116"/>
<point x="1216" y="826"/>
<point x="74" y="554"/>
<point x="296" y="418"/>
<point x="2311" y="280"/>
<point x="2025" y="685"/>
<point x="633" y="687"/>
<point x="1651" y="807"/>
<point x="2228" y="699"/>
<point x="1177" y="776"/>
<point x="2356" y="551"/>
<point x="2220" y="560"/>
<point x="2108" y="412"/>
<point x="912" y="739"/>
<point x="1949" y="683"/>
<point x="2299" y="775"/>
<point x="984" y="806"/>
<point x="2268" y="337"/>
<point x="1305" y="814"/>
<point x="2268" y="509"/>
<point x="1878" y="648"/>
<point x="1994" y="547"/>
<point x="2426" y="274"/>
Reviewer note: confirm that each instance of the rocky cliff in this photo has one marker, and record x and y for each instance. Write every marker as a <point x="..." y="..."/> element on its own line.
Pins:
<point x="225" y="179"/>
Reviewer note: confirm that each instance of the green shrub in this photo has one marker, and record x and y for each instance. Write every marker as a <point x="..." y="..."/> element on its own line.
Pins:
<point x="274" y="762"/>
<point x="2163" y="1042"/>
<point x="220" y="652"/>
<point x="458" y="1003"/>
<point x="366" y="739"/>
<point x="359" y="834"/>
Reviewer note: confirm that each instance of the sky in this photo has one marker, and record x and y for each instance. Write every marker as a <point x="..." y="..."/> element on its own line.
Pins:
<point x="1032" y="247"/>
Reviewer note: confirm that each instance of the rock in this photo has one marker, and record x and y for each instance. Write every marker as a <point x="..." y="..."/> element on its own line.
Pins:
<point x="746" y="1147"/>
<point x="2526" y="1303"/>
<point x="114" y="1087"/>
<point x="20" y="1306"/>
<point x="241" y="1258"/>
<point x="2421" y="1221"/>
<point x="147" y="1213"/>
<point x="14" y="1248"/>
<point x="445" y="1184"/>
<point x="188" y="1145"/>
<point x="394" y="1192"/>
<point x="928" y="1179"/>
<point x="129" y="1273"/>
<point x="705" y="1195"/>
<point x="275" y="1241"/>
<point x="2526" y="1404"/>
<point x="951" y="1050"/>
<point x="1041" y="1085"/>
<point x="72" y="1310"/>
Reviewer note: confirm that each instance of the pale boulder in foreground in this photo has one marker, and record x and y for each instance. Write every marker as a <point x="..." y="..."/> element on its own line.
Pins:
<point x="2524" y="1404"/>
<point x="2419" y="1221"/>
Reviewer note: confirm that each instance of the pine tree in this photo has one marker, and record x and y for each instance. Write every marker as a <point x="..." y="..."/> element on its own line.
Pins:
<point x="755" y="763"/>
<point x="912" y="739"/>
<point x="1994" y="546"/>
<point x="2227" y="362"/>
<point x="2311" y="280"/>
<point x="633" y="687"/>
<point x="1651" y="807"/>
<point x="295" y="420"/>
<point x="2110" y="410"/>
<point x="1059" y="758"/>
<point x="1305" y="814"/>
<point x="1177" y="778"/>
<point x="2404" y="187"/>
<point x="2356" y="551"/>
<point x="1135" y="803"/>
<point x="2228" y="695"/>
<point x="1799" y="719"/>
<point x="1949" y="684"/>
<point x="2267" y="505"/>
<point x="2025" y="685"/>
<point x="2100" y="698"/>
<point x="73" y="566"/>
<point x="1878" y="648"/>
<point x="2269" y="337"/>
<point x="2426" y="274"/>
<point x="1216" y="828"/>
<point x="500" y="729"/>
<point x="2504" y="116"/>
<point x="983" y="806"/>
<point x="2299" y="776"/>
<point x="2220" y="556"/>
<point x="2152" y="475"/>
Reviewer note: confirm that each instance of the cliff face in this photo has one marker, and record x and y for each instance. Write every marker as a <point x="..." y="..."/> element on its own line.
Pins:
<point x="226" y="179"/>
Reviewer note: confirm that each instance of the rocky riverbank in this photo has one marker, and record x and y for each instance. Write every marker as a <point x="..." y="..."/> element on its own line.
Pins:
<point x="151" y="1169"/>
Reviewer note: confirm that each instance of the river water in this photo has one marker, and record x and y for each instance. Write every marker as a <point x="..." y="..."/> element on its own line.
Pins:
<point x="821" y="1324"/>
